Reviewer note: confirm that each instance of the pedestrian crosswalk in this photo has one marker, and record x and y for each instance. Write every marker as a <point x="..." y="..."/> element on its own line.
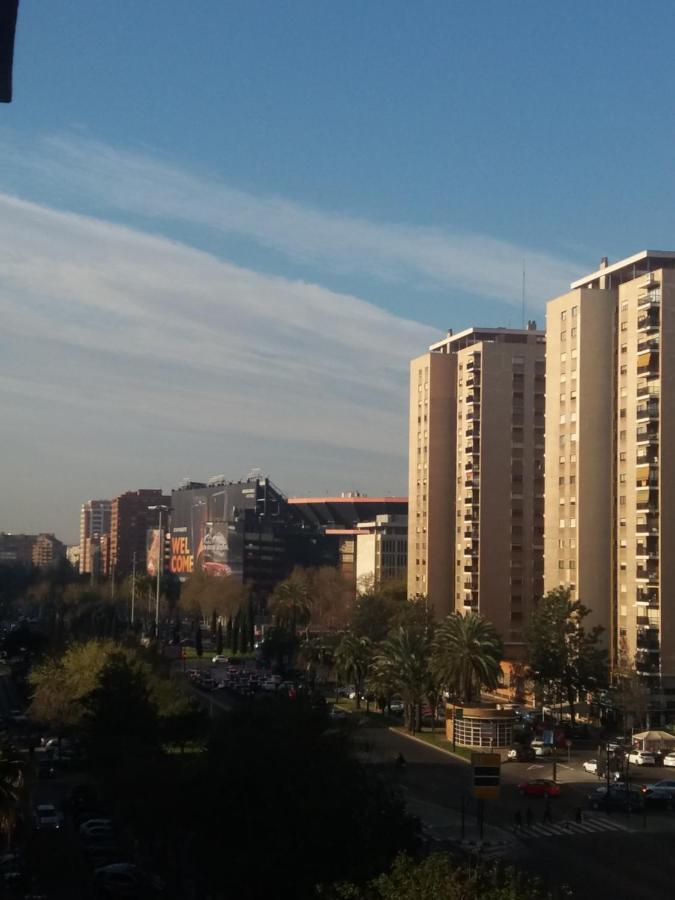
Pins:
<point x="589" y="825"/>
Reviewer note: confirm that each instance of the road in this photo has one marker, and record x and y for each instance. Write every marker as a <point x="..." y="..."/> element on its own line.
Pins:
<point x="615" y="855"/>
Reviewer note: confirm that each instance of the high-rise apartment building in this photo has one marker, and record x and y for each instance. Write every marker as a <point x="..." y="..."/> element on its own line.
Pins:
<point x="476" y="456"/>
<point x="130" y="521"/>
<point x="610" y="487"/>
<point x="94" y="521"/>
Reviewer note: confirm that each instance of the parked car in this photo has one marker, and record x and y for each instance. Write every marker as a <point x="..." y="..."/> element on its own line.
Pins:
<point x="591" y="766"/>
<point x="336" y="712"/>
<point x="642" y="758"/>
<point x="539" y="787"/>
<point x="217" y="660"/>
<point x="540" y="748"/>
<point x="521" y="754"/>
<point x="47" y="817"/>
<point x="618" y="797"/>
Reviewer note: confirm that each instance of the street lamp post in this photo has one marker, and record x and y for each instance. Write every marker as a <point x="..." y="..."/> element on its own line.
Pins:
<point x="160" y="560"/>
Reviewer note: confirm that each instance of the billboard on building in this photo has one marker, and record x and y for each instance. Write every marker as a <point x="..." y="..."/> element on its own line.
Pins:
<point x="207" y="529"/>
<point x="152" y="551"/>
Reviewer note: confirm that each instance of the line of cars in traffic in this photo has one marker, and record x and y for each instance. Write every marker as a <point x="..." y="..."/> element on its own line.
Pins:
<point x="245" y="680"/>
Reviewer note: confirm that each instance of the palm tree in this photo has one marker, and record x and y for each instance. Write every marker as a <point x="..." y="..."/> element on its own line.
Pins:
<point x="291" y="605"/>
<point x="353" y="658"/>
<point x="467" y="652"/>
<point x="403" y="663"/>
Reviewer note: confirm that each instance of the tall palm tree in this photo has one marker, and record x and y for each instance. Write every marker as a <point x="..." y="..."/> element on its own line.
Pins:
<point x="403" y="663"/>
<point x="291" y="604"/>
<point x="466" y="655"/>
<point x="353" y="659"/>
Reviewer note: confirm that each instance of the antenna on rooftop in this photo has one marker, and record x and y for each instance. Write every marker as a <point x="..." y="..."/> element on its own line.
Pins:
<point x="522" y="298"/>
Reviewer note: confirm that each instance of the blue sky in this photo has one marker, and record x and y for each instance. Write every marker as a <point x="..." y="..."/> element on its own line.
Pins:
<point x="337" y="182"/>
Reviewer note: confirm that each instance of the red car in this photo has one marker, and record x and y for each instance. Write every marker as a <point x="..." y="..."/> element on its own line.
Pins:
<point x="539" y="787"/>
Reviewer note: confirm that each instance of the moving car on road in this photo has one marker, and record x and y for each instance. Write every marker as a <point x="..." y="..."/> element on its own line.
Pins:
<point x="618" y="797"/>
<point x="540" y="748"/>
<point x="521" y="754"/>
<point x="539" y="787"/>
<point x="669" y="759"/>
<point x="47" y="817"/>
<point x="591" y="766"/>
<point x="660" y="790"/>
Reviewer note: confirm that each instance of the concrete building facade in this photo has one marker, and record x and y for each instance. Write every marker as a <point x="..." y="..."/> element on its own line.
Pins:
<point x="130" y="521"/>
<point x="476" y="469"/>
<point x="610" y="488"/>
<point x="94" y="521"/>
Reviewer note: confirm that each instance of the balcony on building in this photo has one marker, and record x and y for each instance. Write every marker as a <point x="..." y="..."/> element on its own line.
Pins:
<point x="647" y="500"/>
<point x="648" y="409"/>
<point x="647" y="455"/>
<point x="648" y="389"/>
<point x="647" y="434"/>
<point x="646" y="525"/>
<point x="649" y="321"/>
<point x="647" y="596"/>
<point x="647" y="548"/>
<point x="652" y="297"/>
<point x="647" y="574"/>
<point x="648" y="639"/>
<point x="648" y="363"/>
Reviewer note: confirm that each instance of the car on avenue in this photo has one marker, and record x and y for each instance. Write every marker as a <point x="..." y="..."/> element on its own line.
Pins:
<point x="521" y="754"/>
<point x="642" y="758"/>
<point x="540" y="748"/>
<point x="664" y="789"/>
<point x="220" y="659"/>
<point x="669" y="759"/>
<point x="539" y="787"/>
<point x="47" y="817"/>
<point x="618" y="797"/>
<point x="590" y="766"/>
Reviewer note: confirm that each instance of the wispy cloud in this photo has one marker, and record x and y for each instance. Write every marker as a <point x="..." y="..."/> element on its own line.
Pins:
<point x="108" y="328"/>
<point x="144" y="184"/>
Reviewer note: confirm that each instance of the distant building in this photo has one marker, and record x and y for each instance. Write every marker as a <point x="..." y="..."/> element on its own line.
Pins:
<point x="245" y="530"/>
<point x="42" y="550"/>
<point x="47" y="551"/>
<point x="381" y="550"/>
<point x="130" y="521"/>
<point x="94" y="521"/>
<point x="16" y="548"/>
<point x="369" y="532"/>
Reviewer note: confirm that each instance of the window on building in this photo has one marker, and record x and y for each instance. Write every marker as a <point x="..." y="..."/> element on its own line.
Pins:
<point x="624" y="326"/>
<point x="563" y="315"/>
<point x="574" y="312"/>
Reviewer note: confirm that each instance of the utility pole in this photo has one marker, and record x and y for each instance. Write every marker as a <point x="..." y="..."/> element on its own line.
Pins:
<point x="133" y="588"/>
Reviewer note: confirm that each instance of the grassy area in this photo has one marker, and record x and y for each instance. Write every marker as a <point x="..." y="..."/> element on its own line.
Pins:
<point x="373" y="715"/>
<point x="190" y="653"/>
<point x="438" y="739"/>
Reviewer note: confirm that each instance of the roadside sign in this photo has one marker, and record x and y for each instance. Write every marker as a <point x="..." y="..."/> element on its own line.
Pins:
<point x="547" y="737"/>
<point x="458" y="712"/>
<point x="486" y="775"/>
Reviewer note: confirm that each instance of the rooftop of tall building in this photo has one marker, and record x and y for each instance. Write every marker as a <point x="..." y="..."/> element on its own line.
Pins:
<point x="612" y="274"/>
